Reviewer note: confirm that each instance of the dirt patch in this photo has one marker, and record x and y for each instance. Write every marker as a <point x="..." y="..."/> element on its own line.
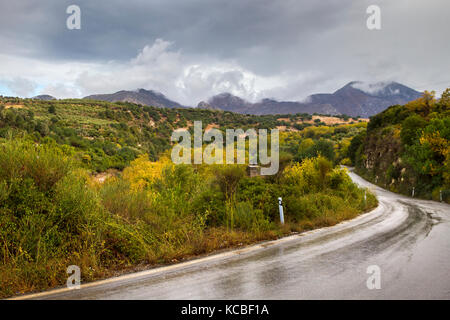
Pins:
<point x="334" y="120"/>
<point x="212" y="125"/>
<point x="102" y="176"/>
<point x="14" y="106"/>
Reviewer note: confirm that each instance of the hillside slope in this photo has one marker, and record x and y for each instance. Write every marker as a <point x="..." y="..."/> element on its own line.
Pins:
<point x="109" y="135"/>
<point x="140" y="96"/>
<point x="408" y="146"/>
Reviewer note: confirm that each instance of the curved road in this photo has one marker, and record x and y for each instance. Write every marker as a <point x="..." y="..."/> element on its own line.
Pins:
<point x="408" y="239"/>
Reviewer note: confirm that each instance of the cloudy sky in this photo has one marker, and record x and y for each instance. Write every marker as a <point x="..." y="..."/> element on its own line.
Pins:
<point x="192" y="49"/>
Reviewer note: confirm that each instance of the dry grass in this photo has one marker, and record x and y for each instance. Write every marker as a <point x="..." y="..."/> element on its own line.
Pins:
<point x="14" y="106"/>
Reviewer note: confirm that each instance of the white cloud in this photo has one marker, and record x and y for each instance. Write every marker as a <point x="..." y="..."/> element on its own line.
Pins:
<point x="186" y="79"/>
<point x="20" y="86"/>
<point x="375" y="88"/>
<point x="370" y="88"/>
<point x="36" y="76"/>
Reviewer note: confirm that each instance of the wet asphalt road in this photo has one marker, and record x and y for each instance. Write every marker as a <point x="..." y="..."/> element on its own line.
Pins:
<point x="408" y="239"/>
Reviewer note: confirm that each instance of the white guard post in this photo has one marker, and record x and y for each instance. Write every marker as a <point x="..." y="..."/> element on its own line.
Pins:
<point x="280" y="205"/>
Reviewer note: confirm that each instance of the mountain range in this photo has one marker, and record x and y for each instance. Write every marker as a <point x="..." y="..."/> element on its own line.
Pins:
<point x="354" y="99"/>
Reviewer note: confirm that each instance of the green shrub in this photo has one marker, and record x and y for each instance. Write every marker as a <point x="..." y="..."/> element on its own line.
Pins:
<point x="250" y="219"/>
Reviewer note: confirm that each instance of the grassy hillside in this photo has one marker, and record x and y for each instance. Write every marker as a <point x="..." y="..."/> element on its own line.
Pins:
<point x="408" y="146"/>
<point x="110" y="135"/>
<point x="55" y="212"/>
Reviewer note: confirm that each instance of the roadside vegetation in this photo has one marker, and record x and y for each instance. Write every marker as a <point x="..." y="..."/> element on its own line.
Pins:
<point x="55" y="212"/>
<point x="408" y="147"/>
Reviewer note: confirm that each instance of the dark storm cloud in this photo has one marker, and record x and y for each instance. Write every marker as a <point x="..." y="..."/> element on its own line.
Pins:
<point x="118" y="29"/>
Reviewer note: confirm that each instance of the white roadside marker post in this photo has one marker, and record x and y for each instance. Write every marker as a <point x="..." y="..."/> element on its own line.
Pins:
<point x="440" y="195"/>
<point x="280" y="206"/>
<point x="413" y="192"/>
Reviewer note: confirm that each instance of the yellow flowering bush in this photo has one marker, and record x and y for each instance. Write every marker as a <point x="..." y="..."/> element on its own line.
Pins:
<point x="143" y="172"/>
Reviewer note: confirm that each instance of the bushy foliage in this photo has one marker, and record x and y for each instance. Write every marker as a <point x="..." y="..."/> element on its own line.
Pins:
<point x="318" y="192"/>
<point x="421" y="130"/>
<point x="320" y="147"/>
